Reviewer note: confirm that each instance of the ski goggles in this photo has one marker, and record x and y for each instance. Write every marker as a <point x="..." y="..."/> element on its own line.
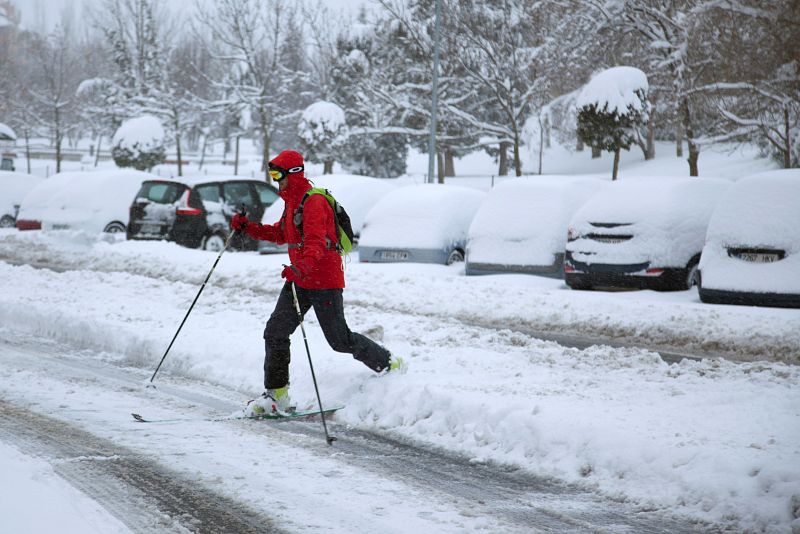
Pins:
<point x="279" y="173"/>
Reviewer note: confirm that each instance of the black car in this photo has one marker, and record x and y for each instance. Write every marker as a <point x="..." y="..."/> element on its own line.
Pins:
<point x="196" y="212"/>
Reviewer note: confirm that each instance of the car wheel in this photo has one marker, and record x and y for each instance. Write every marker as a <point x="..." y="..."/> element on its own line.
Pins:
<point x="7" y="221"/>
<point x="691" y="274"/>
<point x="455" y="255"/>
<point x="214" y="243"/>
<point x="114" y="227"/>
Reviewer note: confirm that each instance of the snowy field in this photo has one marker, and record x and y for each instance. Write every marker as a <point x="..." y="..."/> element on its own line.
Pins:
<point x="716" y="440"/>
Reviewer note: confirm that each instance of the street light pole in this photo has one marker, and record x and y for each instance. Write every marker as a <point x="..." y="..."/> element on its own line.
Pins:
<point x="434" y="94"/>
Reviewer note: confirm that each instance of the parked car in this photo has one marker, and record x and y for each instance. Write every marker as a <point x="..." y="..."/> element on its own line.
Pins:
<point x="420" y="223"/>
<point x="752" y="250"/>
<point x="92" y="201"/>
<point x="196" y="211"/>
<point x="644" y="233"/>
<point x="357" y="194"/>
<point x="13" y="188"/>
<point x="521" y="226"/>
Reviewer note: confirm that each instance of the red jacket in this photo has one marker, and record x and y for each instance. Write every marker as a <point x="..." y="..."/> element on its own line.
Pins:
<point x="319" y="264"/>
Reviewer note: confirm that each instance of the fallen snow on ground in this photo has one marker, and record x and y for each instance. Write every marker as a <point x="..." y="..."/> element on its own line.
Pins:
<point x="714" y="440"/>
<point x="57" y="506"/>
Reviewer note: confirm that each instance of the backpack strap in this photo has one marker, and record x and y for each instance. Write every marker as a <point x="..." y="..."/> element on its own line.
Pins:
<point x="298" y="220"/>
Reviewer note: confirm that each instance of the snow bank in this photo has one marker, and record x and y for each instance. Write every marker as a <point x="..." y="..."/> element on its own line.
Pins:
<point x="614" y="89"/>
<point x="13" y="188"/>
<point x="758" y="212"/>
<point x="83" y="200"/>
<point x="667" y="217"/>
<point x="524" y="221"/>
<point x="430" y="216"/>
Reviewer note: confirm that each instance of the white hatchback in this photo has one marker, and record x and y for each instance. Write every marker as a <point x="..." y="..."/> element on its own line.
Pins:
<point x="95" y="201"/>
<point x="642" y="232"/>
<point x="752" y="250"/>
<point x="420" y="223"/>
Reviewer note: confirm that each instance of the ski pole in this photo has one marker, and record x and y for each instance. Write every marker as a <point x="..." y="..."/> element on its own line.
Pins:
<point x="328" y="438"/>
<point x="243" y="211"/>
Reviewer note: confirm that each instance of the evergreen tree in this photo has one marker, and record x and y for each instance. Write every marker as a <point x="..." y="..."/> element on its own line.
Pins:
<point x="611" y="106"/>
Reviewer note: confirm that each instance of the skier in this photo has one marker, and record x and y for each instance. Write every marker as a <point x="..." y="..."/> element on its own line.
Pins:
<point x="317" y="271"/>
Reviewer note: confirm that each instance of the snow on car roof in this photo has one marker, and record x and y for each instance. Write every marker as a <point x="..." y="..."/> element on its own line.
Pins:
<point x="197" y="179"/>
<point x="355" y="192"/>
<point x="667" y="199"/>
<point x="95" y="190"/>
<point x="421" y="216"/>
<point x="524" y="221"/>
<point x="763" y="209"/>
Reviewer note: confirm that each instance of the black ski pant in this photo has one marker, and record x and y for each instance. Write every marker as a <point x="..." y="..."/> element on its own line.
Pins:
<point x="329" y="309"/>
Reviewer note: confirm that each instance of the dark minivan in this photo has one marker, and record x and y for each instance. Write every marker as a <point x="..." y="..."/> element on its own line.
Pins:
<point x="196" y="212"/>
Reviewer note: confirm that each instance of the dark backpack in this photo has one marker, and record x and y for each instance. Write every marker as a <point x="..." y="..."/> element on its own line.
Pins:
<point x="344" y="229"/>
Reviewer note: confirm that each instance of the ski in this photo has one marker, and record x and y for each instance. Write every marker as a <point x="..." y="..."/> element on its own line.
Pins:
<point x="268" y="417"/>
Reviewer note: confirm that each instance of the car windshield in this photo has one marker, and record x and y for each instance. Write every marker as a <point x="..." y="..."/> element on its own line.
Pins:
<point x="160" y="192"/>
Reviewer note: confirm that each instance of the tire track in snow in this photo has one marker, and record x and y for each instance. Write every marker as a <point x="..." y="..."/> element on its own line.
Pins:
<point x="136" y="490"/>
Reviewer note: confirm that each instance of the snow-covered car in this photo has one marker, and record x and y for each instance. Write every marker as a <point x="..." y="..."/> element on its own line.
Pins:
<point x="644" y="233"/>
<point x="196" y="211"/>
<point x="752" y="250"/>
<point x="91" y="201"/>
<point x="357" y="194"/>
<point x="420" y="223"/>
<point x="521" y="226"/>
<point x="13" y="188"/>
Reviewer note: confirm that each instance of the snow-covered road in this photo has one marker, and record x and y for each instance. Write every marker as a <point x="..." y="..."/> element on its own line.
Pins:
<point x="710" y="440"/>
<point x="243" y="476"/>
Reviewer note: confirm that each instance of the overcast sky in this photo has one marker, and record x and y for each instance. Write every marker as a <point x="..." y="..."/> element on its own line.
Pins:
<point x="42" y="15"/>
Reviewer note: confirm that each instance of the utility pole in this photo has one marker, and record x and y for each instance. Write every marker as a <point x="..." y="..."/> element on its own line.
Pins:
<point x="434" y="94"/>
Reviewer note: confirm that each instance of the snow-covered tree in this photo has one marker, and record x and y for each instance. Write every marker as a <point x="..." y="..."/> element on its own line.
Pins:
<point x="251" y="37"/>
<point x="410" y="27"/>
<point x="361" y="78"/>
<point x="139" y="143"/>
<point x="611" y="106"/>
<point x="500" y="45"/>
<point x="53" y="90"/>
<point x="758" y="99"/>
<point x="679" y="45"/>
<point x="323" y="132"/>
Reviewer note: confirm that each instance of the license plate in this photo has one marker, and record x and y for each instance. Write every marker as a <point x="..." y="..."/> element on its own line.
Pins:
<point x="394" y="255"/>
<point x="151" y="229"/>
<point x="758" y="257"/>
<point x="609" y="239"/>
<point x="60" y="227"/>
